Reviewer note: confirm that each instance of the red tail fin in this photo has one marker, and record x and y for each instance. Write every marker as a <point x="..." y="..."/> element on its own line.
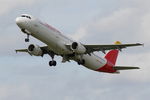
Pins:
<point x="111" y="56"/>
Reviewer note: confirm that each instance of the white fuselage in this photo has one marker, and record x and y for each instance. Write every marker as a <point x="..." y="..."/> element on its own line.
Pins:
<point x="56" y="41"/>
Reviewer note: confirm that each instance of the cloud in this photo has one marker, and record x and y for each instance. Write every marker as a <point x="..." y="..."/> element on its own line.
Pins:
<point x="7" y="5"/>
<point x="8" y="92"/>
<point x="145" y="30"/>
<point x="121" y="23"/>
<point x="111" y="24"/>
<point x="127" y="24"/>
<point x="141" y="60"/>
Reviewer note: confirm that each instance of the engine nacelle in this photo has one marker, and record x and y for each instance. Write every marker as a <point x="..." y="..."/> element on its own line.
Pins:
<point x="78" y="48"/>
<point x="35" y="50"/>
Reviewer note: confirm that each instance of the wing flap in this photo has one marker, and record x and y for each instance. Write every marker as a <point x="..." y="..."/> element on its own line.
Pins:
<point x="125" y="67"/>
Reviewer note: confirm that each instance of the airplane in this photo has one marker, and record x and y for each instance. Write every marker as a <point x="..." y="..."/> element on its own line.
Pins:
<point x="58" y="44"/>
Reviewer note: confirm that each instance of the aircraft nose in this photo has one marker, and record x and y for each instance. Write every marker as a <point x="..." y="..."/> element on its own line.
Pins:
<point x="19" y="21"/>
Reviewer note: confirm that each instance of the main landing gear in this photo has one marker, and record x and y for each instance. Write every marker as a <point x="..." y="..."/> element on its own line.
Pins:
<point x="80" y="59"/>
<point x="52" y="63"/>
<point x="81" y="62"/>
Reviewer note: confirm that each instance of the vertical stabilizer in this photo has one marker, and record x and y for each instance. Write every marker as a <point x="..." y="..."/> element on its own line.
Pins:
<point x="111" y="56"/>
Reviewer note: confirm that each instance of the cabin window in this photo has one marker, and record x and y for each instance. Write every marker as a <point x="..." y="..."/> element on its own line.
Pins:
<point x="26" y="16"/>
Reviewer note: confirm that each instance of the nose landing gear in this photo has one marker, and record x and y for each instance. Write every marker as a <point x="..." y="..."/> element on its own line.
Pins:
<point x="27" y="39"/>
<point x="26" y="32"/>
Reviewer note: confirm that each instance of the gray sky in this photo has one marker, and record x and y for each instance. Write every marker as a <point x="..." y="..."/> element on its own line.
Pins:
<point x="23" y="77"/>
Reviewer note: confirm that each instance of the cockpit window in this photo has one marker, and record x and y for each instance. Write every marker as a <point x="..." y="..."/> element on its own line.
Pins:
<point x="26" y="16"/>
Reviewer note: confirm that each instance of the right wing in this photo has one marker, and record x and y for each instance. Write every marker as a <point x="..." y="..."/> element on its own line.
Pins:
<point x="26" y="50"/>
<point x="45" y="50"/>
<point x="23" y="50"/>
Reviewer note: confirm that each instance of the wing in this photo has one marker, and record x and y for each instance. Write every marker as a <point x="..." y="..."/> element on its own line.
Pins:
<point x="23" y="50"/>
<point x="44" y="49"/>
<point x="92" y="48"/>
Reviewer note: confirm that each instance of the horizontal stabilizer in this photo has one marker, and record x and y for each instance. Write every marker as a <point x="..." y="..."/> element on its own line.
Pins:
<point x="125" y="67"/>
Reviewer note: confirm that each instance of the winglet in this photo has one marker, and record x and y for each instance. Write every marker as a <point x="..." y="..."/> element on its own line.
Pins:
<point x="117" y="42"/>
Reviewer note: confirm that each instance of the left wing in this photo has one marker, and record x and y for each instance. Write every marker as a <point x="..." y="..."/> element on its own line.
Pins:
<point x="92" y="48"/>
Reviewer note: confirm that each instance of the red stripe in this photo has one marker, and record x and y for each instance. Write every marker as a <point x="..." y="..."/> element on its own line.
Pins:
<point x="111" y="56"/>
<point x="108" y="67"/>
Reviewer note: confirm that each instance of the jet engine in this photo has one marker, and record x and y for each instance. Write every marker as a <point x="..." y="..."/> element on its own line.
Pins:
<point x="35" y="50"/>
<point x="78" y="48"/>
